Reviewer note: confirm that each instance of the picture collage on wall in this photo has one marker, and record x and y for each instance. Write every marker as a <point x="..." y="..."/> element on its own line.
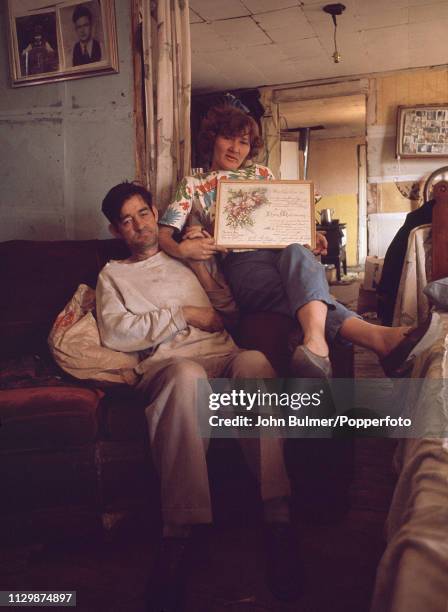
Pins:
<point x="422" y="131"/>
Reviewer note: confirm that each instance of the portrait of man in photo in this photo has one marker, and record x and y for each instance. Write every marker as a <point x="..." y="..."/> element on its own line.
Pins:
<point x="87" y="50"/>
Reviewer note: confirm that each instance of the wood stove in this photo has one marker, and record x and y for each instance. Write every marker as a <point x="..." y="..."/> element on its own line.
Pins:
<point x="335" y="234"/>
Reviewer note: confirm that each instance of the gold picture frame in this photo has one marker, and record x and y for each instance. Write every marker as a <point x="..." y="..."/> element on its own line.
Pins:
<point x="60" y="40"/>
<point x="422" y="131"/>
<point x="264" y="214"/>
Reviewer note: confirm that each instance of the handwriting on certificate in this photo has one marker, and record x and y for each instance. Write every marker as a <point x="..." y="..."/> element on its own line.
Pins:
<point x="264" y="214"/>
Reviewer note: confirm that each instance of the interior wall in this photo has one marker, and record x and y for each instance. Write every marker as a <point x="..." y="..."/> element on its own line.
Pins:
<point x="63" y="146"/>
<point x="386" y="93"/>
<point x="393" y="185"/>
<point x="289" y="160"/>
<point x="333" y="167"/>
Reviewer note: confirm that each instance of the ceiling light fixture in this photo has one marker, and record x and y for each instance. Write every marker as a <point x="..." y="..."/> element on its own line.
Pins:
<point x="334" y="10"/>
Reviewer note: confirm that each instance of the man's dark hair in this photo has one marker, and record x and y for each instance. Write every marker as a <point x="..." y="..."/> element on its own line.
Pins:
<point x="118" y="195"/>
<point x="81" y="11"/>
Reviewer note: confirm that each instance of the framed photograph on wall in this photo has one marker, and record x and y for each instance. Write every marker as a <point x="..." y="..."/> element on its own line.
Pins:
<point x="61" y="40"/>
<point x="264" y="214"/>
<point x="422" y="131"/>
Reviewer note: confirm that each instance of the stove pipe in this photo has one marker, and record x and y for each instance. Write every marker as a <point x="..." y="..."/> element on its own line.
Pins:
<point x="304" y="146"/>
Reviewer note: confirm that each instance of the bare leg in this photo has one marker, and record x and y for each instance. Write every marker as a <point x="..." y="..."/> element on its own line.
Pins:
<point x="378" y="338"/>
<point x="312" y="319"/>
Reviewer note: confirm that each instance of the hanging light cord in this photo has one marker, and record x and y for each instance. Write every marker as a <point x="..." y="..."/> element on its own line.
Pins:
<point x="333" y="10"/>
<point x="334" y="34"/>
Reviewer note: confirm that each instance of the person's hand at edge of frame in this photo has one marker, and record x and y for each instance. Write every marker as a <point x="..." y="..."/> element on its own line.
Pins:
<point x="321" y="247"/>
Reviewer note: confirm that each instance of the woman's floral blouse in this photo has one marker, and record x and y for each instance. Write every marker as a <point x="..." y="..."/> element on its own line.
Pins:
<point x="195" y="198"/>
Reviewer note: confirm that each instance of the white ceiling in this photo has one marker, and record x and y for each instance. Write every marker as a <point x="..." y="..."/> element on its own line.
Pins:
<point x="341" y="116"/>
<point x="250" y="43"/>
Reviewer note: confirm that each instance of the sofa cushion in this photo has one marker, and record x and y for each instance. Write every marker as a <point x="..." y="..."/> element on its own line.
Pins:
<point x="48" y="418"/>
<point x="23" y="371"/>
<point x="122" y="416"/>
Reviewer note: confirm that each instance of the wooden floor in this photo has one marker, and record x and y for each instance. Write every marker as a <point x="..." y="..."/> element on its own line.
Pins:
<point x="111" y="574"/>
<point x="340" y="559"/>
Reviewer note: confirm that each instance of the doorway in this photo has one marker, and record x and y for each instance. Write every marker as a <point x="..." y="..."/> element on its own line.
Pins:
<point x="333" y="158"/>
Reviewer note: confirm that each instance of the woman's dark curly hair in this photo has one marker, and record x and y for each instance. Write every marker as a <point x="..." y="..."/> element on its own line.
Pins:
<point x="226" y="120"/>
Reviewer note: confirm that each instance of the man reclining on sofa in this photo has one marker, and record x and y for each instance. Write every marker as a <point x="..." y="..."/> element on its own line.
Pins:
<point x="153" y="303"/>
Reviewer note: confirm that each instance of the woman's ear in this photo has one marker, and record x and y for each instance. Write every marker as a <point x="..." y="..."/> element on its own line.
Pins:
<point x="113" y="230"/>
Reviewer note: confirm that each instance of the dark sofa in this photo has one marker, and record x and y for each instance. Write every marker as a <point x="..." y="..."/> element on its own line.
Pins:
<point x="74" y="456"/>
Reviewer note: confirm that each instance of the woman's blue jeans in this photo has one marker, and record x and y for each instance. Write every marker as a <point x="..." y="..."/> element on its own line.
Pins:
<point x="282" y="281"/>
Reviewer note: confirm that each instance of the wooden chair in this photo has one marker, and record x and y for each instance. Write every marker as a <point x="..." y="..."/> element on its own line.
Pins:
<point x="440" y="231"/>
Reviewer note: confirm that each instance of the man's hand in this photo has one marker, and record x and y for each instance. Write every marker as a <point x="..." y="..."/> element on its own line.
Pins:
<point x="321" y="247"/>
<point x="203" y="317"/>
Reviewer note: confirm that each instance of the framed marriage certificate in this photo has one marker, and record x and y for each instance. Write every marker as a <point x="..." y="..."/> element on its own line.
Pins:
<point x="264" y="214"/>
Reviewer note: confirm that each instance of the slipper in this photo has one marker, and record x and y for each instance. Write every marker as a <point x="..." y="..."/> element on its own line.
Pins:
<point x="306" y="364"/>
<point x="400" y="360"/>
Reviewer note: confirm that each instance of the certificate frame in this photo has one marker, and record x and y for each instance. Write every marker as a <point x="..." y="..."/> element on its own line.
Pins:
<point x="255" y="214"/>
<point x="422" y="131"/>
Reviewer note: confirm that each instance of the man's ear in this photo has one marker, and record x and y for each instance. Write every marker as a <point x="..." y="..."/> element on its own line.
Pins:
<point x="113" y="230"/>
<point x="155" y="212"/>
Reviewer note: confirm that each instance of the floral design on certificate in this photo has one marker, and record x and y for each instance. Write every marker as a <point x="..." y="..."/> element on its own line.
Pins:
<point x="264" y="215"/>
<point x="240" y="205"/>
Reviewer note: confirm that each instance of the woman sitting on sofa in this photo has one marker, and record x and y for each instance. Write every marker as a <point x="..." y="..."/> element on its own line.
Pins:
<point x="288" y="281"/>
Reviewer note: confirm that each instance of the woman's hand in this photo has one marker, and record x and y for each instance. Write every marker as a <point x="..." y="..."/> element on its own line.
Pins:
<point x="195" y="231"/>
<point x="199" y="249"/>
<point x="203" y="246"/>
<point x="321" y="244"/>
<point x="321" y="247"/>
